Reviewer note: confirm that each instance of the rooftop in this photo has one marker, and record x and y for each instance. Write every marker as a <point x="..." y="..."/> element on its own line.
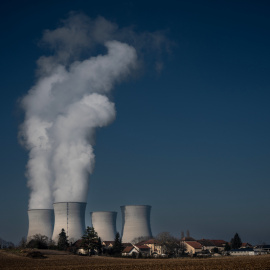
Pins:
<point x="127" y="249"/>
<point x="194" y="244"/>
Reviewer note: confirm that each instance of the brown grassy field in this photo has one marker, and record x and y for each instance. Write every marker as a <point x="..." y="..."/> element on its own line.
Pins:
<point x="59" y="260"/>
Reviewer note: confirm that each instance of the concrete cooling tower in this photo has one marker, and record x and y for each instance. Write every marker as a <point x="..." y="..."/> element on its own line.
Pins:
<point x="40" y="222"/>
<point x="69" y="216"/>
<point x="104" y="224"/>
<point x="135" y="222"/>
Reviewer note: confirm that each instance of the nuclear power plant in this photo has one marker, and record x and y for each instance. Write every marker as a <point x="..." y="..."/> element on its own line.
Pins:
<point x="135" y="222"/>
<point x="104" y="223"/>
<point x="70" y="99"/>
<point x="40" y="222"/>
<point x="70" y="216"/>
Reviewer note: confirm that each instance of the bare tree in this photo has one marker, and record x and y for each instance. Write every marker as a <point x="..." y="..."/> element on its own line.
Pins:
<point x="173" y="245"/>
<point x="38" y="241"/>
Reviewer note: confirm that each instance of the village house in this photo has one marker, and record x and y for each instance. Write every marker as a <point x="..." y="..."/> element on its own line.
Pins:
<point x="204" y="245"/>
<point x="246" y="245"/>
<point x="78" y="249"/>
<point x="128" y="250"/>
<point x="207" y="245"/>
<point x="144" y="250"/>
<point x="107" y="247"/>
<point x="192" y="247"/>
<point x="220" y="244"/>
<point x="154" y="245"/>
<point x="107" y="244"/>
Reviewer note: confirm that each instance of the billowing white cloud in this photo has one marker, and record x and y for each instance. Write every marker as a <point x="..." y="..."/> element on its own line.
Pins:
<point x="70" y="99"/>
<point x="65" y="106"/>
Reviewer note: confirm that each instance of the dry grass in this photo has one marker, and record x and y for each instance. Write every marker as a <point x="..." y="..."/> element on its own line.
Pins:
<point x="60" y="260"/>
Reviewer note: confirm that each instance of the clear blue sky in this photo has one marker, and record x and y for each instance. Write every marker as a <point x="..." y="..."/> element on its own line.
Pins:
<point x="192" y="141"/>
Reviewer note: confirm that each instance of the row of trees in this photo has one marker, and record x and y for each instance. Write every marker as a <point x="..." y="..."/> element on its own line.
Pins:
<point x="43" y="242"/>
<point x="92" y="244"/>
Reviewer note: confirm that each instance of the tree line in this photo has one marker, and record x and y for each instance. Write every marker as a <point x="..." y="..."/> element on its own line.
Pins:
<point x="91" y="243"/>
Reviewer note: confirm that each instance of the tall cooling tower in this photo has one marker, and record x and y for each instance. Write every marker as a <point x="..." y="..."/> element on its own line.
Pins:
<point x="135" y="222"/>
<point x="40" y="222"/>
<point x="104" y="224"/>
<point x="69" y="216"/>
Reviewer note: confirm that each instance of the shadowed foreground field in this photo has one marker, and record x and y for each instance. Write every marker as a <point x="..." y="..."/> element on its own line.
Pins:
<point x="60" y="260"/>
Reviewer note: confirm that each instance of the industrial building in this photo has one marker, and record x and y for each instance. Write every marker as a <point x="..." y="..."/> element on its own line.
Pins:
<point x="104" y="223"/>
<point x="40" y="222"/>
<point x="135" y="222"/>
<point x="69" y="216"/>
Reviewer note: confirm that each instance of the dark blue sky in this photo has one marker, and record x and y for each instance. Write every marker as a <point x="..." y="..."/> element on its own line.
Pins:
<point x="192" y="141"/>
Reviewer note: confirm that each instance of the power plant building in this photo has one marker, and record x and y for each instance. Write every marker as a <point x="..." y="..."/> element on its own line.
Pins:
<point x="135" y="222"/>
<point x="69" y="216"/>
<point x="104" y="223"/>
<point x="40" y="222"/>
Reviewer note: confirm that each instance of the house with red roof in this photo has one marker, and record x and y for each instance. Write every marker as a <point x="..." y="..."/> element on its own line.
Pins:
<point x="154" y="245"/>
<point x="193" y="247"/>
<point x="246" y="245"/>
<point x="207" y="245"/>
<point x="107" y="244"/>
<point x="129" y="250"/>
<point x="220" y="244"/>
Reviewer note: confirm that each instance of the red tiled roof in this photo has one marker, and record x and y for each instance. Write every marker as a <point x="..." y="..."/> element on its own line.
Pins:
<point x="246" y="245"/>
<point x="206" y="242"/>
<point x="149" y="242"/>
<point x="219" y="243"/>
<point x="142" y="247"/>
<point x="194" y="244"/>
<point x="127" y="249"/>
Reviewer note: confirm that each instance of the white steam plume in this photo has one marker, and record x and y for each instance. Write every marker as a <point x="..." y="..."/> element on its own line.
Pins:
<point x="65" y="106"/>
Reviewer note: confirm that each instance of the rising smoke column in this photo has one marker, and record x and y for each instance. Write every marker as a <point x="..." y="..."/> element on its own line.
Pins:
<point x="65" y="106"/>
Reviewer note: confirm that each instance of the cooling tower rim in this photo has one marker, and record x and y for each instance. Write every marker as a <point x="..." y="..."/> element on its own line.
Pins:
<point x="145" y="205"/>
<point x="70" y="202"/>
<point x="44" y="209"/>
<point x="102" y="212"/>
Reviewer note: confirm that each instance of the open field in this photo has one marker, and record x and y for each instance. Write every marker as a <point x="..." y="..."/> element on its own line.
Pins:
<point x="59" y="260"/>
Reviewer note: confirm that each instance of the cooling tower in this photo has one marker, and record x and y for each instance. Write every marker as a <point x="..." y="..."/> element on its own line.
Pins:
<point x="104" y="224"/>
<point x="135" y="222"/>
<point x="69" y="216"/>
<point x="40" y="222"/>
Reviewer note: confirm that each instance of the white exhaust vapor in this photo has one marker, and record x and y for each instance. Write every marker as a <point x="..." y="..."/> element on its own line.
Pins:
<point x="65" y="106"/>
